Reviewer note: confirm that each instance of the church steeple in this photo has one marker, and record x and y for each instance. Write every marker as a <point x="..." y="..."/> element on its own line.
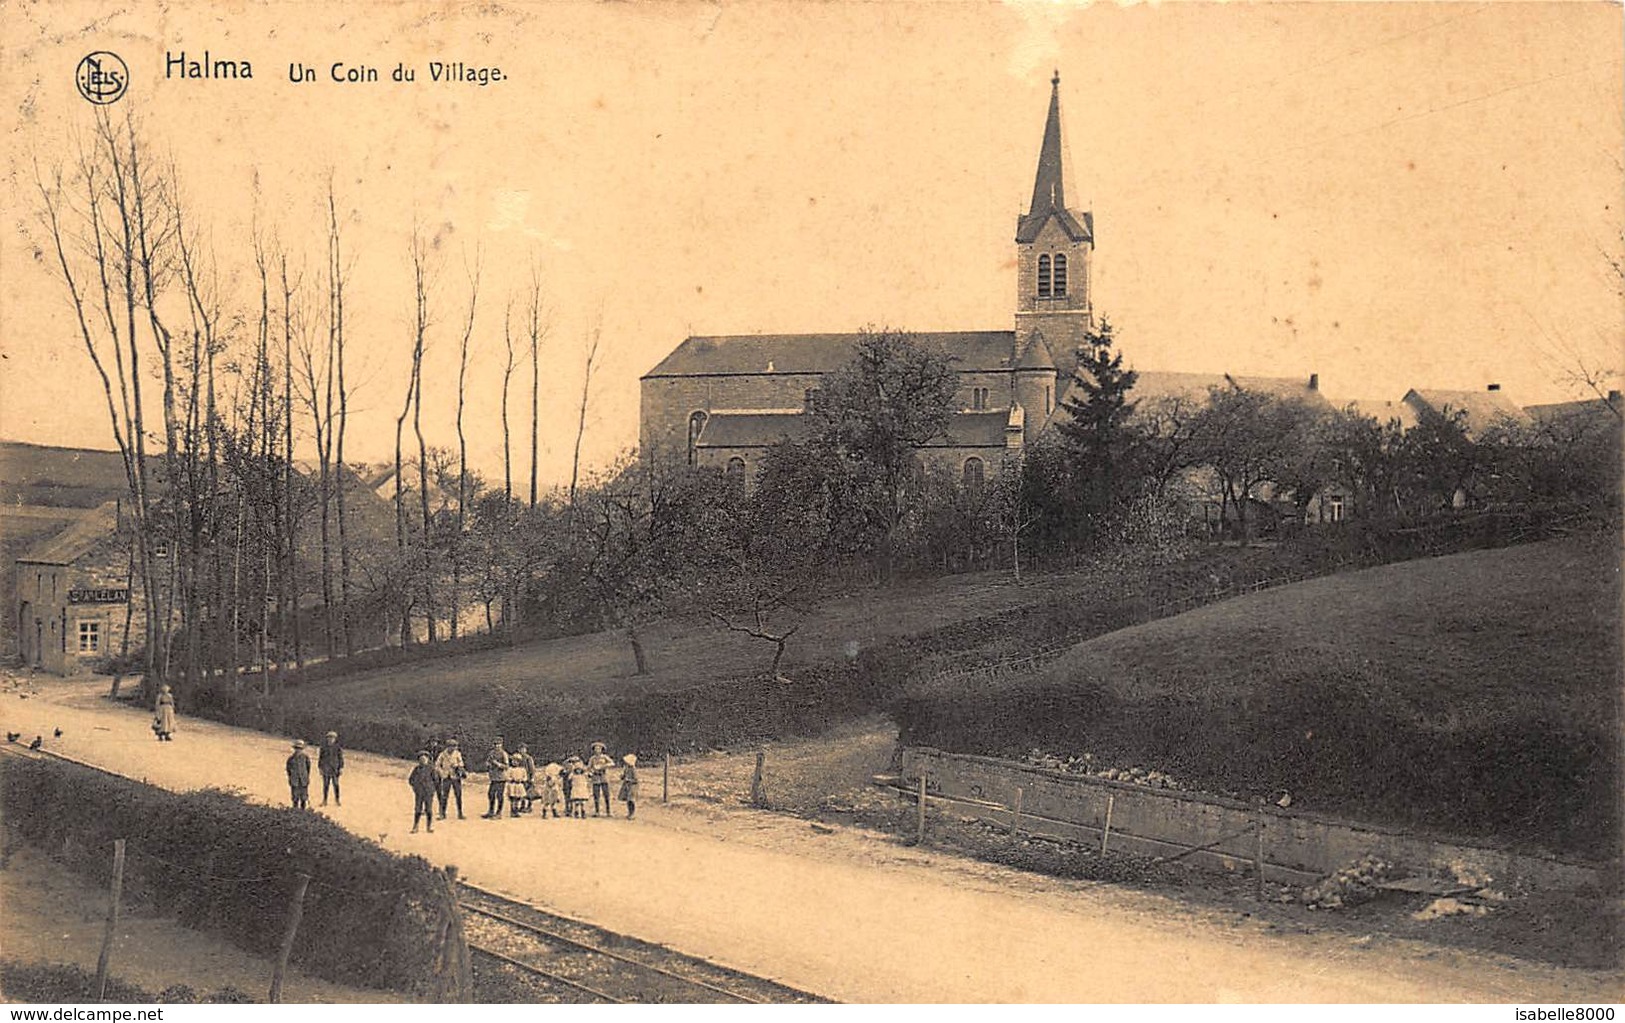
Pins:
<point x="1049" y="187"/>
<point x="1049" y="184"/>
<point x="1054" y="249"/>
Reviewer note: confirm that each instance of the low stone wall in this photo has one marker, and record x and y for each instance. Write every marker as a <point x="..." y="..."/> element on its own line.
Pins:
<point x="1162" y="822"/>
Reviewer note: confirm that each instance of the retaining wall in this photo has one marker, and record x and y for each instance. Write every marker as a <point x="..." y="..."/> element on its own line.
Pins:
<point x="1162" y="822"/>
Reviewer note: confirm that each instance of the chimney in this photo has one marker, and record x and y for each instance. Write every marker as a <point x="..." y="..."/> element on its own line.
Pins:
<point x="1494" y="387"/>
<point x="1314" y="381"/>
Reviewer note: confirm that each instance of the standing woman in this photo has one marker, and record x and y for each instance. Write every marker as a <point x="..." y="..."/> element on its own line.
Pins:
<point x="629" y="784"/>
<point x="163" y="718"/>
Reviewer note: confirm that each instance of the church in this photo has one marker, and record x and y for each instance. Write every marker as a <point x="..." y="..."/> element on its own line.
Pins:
<point x="723" y="401"/>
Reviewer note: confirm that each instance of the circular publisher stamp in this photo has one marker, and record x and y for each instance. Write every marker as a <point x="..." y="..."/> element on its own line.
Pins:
<point x="102" y="77"/>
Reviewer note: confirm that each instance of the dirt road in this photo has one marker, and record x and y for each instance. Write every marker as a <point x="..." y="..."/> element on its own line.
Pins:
<point x="849" y="915"/>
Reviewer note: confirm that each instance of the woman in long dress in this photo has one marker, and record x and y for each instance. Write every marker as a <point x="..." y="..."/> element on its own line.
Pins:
<point x="163" y="719"/>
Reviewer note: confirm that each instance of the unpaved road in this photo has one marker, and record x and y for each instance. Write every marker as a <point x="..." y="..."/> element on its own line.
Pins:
<point x="851" y="915"/>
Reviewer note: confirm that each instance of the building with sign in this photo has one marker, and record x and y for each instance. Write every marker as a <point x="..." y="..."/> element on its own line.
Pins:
<point x="72" y="592"/>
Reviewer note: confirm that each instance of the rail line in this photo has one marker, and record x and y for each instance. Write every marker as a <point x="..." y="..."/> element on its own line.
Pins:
<point x="578" y="955"/>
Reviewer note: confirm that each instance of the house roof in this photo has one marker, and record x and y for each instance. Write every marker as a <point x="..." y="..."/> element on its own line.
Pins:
<point x="747" y="429"/>
<point x="1383" y="411"/>
<point x="1599" y="409"/>
<point x="1049" y="184"/>
<point x="1150" y="385"/>
<point x="1484" y="409"/>
<point x="1298" y="388"/>
<point x="761" y="354"/>
<point x="76" y="539"/>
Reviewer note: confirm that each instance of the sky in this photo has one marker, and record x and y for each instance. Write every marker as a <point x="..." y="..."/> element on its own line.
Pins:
<point x="1389" y="195"/>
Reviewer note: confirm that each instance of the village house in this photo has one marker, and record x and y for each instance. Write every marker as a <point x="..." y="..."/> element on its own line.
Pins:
<point x="72" y="591"/>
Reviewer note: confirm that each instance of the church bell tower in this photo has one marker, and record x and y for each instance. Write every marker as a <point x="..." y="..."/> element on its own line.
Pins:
<point x="1054" y="245"/>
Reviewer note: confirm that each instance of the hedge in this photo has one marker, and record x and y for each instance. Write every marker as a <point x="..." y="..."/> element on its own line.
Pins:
<point x="226" y="865"/>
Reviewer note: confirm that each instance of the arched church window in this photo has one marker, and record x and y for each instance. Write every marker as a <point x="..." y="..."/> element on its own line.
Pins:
<point x="973" y="475"/>
<point x="736" y="468"/>
<point x="696" y="423"/>
<point x="1043" y="277"/>
<point x="1060" y="276"/>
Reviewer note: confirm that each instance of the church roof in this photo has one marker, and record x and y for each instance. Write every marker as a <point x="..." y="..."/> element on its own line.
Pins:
<point x="1049" y="184"/>
<point x="751" y="429"/>
<point x="760" y="354"/>
<point x="744" y="429"/>
<point x="1037" y="355"/>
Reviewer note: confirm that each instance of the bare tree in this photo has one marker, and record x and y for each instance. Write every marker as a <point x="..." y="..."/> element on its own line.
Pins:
<point x="291" y="591"/>
<point x="507" y="375"/>
<point x="593" y="334"/>
<point x="336" y="275"/>
<point x="114" y="257"/>
<point x="462" y="447"/>
<point x="536" y="331"/>
<point x="427" y="565"/>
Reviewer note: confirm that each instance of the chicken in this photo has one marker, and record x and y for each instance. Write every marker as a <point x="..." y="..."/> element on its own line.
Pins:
<point x="13" y="736"/>
<point x="39" y="741"/>
<point x="57" y="733"/>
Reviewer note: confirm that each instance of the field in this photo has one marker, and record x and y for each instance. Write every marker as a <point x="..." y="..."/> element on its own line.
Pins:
<point x="460" y="693"/>
<point x="1471" y="694"/>
<point x="1476" y="694"/>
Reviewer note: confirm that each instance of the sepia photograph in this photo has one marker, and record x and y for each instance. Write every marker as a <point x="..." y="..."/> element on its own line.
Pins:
<point x="768" y="502"/>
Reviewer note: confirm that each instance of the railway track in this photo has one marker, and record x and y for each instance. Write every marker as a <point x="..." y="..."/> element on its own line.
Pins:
<point x="557" y="959"/>
<point x="571" y="961"/>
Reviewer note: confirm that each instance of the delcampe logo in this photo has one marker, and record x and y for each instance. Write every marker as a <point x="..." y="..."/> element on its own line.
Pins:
<point x="102" y="77"/>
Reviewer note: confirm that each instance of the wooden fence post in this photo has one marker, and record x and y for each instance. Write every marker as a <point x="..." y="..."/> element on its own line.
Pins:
<point x="1106" y="832"/>
<point x="758" y="796"/>
<point x="919" y="825"/>
<point x="296" y="911"/>
<point x="1015" y="815"/>
<point x="1258" y="862"/>
<point x="463" y="988"/>
<point x="112" y="920"/>
<point x="665" y="779"/>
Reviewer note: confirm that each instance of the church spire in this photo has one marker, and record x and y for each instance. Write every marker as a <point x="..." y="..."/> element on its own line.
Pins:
<point x="1049" y="187"/>
<point x="1049" y="184"/>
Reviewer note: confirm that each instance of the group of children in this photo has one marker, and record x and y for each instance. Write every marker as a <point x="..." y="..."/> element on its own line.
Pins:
<point x="515" y="779"/>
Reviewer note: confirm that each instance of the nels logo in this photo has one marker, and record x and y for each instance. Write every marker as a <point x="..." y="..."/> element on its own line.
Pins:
<point x="102" y="77"/>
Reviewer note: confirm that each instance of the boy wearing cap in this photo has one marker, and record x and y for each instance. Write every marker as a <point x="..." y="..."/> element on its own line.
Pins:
<point x="598" y="766"/>
<point x="496" y="771"/>
<point x="299" y="775"/>
<point x="330" y="762"/>
<point x="449" y="766"/>
<point x="424" y="782"/>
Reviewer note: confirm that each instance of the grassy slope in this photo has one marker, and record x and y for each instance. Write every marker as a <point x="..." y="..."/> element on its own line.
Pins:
<point x="1477" y="692"/>
<point x="680" y="654"/>
<point x="1459" y="641"/>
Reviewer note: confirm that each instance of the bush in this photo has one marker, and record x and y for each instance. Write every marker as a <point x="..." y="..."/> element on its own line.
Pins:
<point x="227" y="865"/>
<point x="44" y="983"/>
